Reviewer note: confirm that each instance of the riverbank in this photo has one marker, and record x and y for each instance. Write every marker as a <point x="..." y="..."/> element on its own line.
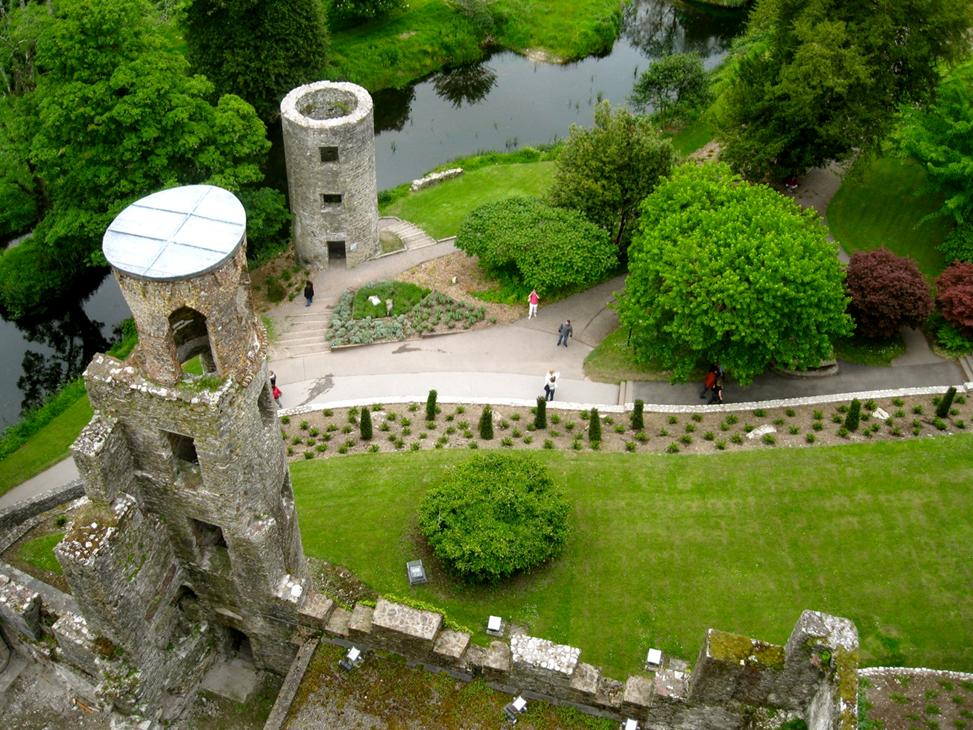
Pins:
<point x="428" y="35"/>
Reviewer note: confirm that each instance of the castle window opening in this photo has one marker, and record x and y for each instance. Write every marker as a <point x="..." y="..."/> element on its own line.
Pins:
<point x="328" y="154"/>
<point x="183" y="448"/>
<point x="330" y="199"/>
<point x="207" y="536"/>
<point x="190" y="336"/>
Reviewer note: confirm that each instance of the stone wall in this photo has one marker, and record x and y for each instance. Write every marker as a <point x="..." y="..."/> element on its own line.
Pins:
<point x="329" y="146"/>
<point x="734" y="676"/>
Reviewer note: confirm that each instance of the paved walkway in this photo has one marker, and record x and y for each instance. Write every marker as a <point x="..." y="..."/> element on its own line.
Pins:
<point x="507" y="363"/>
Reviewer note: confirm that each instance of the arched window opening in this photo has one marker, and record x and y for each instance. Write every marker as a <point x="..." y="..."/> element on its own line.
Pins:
<point x="191" y="338"/>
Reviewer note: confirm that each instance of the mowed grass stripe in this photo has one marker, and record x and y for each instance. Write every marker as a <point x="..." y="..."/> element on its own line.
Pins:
<point x="663" y="546"/>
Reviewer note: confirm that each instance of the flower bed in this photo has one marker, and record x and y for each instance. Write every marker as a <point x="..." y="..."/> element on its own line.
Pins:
<point x="435" y="313"/>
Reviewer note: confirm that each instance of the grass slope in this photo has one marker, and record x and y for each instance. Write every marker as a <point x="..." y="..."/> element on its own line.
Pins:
<point x="441" y="209"/>
<point x="880" y="204"/>
<point x="663" y="547"/>
<point x="46" y="447"/>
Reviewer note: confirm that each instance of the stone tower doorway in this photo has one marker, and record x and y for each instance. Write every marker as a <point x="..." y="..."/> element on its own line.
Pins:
<point x="336" y="254"/>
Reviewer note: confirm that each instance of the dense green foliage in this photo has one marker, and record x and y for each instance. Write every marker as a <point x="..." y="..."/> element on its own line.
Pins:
<point x="724" y="271"/>
<point x="537" y="245"/>
<point x="540" y="415"/>
<point x="607" y="171"/>
<point x="95" y="125"/>
<point x="486" y="423"/>
<point x="494" y="516"/>
<point x="638" y="418"/>
<point x="673" y="88"/>
<point x="257" y="50"/>
<point x="958" y="244"/>
<point x="942" y="410"/>
<point x="887" y="292"/>
<point x="812" y="80"/>
<point x="345" y="13"/>
<point x="941" y="139"/>
<point x="431" y="408"/>
<point x="853" y="417"/>
<point x="594" y="427"/>
<point x="365" y="424"/>
<point x="954" y="294"/>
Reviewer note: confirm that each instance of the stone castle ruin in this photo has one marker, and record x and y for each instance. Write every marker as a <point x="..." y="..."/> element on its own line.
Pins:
<point x="186" y="550"/>
<point x="329" y="147"/>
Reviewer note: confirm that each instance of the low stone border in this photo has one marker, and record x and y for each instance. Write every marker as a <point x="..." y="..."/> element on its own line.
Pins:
<point x="918" y="671"/>
<point x="434" y="178"/>
<point x="649" y="407"/>
<point x="20" y="512"/>
<point x="288" y="690"/>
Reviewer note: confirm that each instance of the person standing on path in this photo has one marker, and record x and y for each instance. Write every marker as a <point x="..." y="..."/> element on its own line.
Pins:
<point x="550" y="384"/>
<point x="717" y="393"/>
<point x="709" y="382"/>
<point x="308" y="293"/>
<point x="563" y="332"/>
<point x="532" y="300"/>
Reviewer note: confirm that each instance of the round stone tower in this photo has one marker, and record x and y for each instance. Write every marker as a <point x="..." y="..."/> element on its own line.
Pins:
<point x="329" y="147"/>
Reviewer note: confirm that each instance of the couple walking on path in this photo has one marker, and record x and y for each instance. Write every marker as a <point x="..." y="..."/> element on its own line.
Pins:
<point x="563" y="332"/>
<point x="713" y="382"/>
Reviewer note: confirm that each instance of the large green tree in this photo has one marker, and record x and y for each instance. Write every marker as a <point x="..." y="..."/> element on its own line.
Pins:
<point x="112" y="114"/>
<point x="256" y="49"/>
<point x="941" y="138"/>
<point x="729" y="272"/>
<point x="673" y="88"/>
<point x="607" y="170"/>
<point x="812" y="80"/>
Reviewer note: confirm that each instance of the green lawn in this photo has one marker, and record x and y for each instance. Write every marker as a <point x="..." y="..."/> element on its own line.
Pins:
<point x="612" y="362"/>
<point x="863" y="351"/>
<point x="426" y="35"/>
<point x="441" y="209"/>
<point x="46" y="447"/>
<point x="39" y="552"/>
<point x="880" y="204"/>
<point x="663" y="547"/>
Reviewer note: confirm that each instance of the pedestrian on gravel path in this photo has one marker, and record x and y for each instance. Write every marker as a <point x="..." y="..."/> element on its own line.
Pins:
<point x="709" y="382"/>
<point x="717" y="396"/>
<point x="550" y="384"/>
<point x="308" y="293"/>
<point x="563" y="332"/>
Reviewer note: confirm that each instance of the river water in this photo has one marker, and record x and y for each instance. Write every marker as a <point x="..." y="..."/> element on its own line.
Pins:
<point x="503" y="103"/>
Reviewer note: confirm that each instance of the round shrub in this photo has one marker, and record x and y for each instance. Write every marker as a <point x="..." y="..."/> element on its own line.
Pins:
<point x="493" y="516"/>
<point x="525" y="240"/>
<point x="955" y="295"/>
<point x="887" y="291"/>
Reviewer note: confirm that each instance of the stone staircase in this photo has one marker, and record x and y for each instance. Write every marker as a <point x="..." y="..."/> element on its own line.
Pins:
<point x="412" y="235"/>
<point x="304" y="332"/>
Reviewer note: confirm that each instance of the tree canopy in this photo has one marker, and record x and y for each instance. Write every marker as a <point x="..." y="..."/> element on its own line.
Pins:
<point x="255" y="49"/>
<point x="529" y="243"/>
<point x="729" y="272"/>
<point x="812" y="80"/>
<point x="940" y="137"/>
<point x="607" y="170"/>
<point x="673" y="87"/>
<point x="887" y="292"/>
<point x="102" y="124"/>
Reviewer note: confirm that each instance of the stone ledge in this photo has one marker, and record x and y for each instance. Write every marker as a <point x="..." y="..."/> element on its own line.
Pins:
<point x="407" y="621"/>
<point x="316" y="611"/>
<point x="360" y="622"/>
<point x="451" y="645"/>
<point x="338" y="623"/>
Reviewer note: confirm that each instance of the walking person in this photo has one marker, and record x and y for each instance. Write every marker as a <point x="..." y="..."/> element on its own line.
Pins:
<point x="563" y="332"/>
<point x="532" y="300"/>
<point x="709" y="382"/>
<point x="717" y="396"/>
<point x="550" y="384"/>
<point x="276" y="393"/>
<point x="308" y="293"/>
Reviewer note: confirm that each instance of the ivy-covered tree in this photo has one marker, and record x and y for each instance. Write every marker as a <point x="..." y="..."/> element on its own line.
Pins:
<point x="607" y="170"/>
<point x="104" y="124"/>
<point x="529" y="243"/>
<point x="724" y="271"/>
<point x="812" y="80"/>
<point x="954" y="289"/>
<point x="887" y="292"/>
<point x="255" y="49"/>
<point x="673" y="87"/>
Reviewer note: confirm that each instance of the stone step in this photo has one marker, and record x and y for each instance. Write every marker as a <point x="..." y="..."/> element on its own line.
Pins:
<point x="305" y="350"/>
<point x="300" y="338"/>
